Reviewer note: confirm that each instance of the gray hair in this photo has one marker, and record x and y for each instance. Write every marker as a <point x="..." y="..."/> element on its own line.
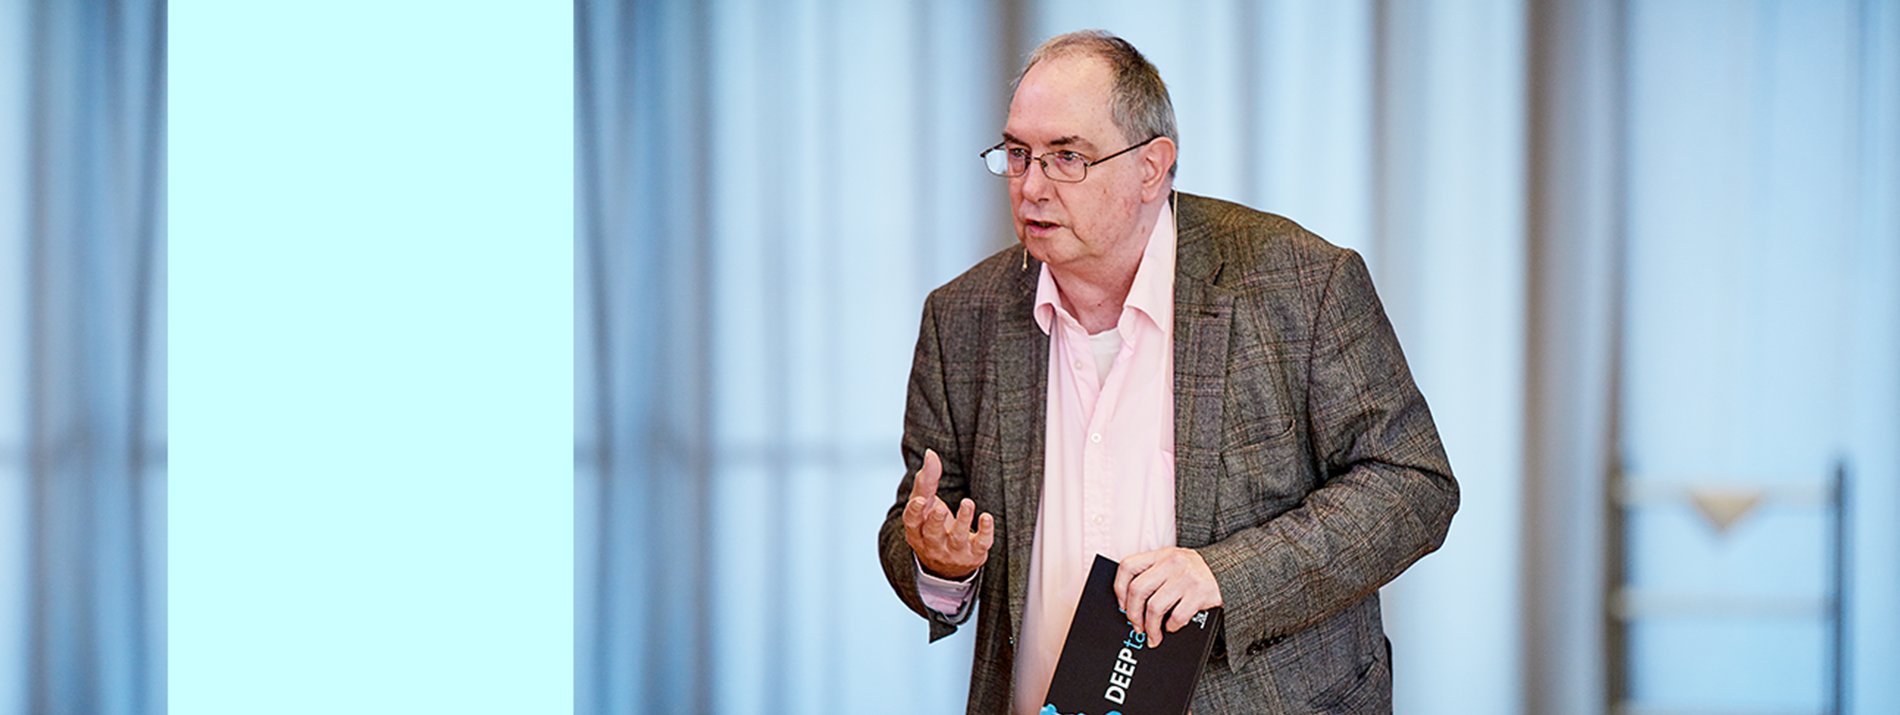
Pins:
<point x="1138" y="103"/>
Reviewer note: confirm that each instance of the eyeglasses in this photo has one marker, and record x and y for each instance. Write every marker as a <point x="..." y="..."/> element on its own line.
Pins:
<point x="1061" y="165"/>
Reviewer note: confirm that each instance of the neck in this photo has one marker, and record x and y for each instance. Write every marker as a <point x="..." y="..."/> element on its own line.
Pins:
<point x="1095" y="293"/>
<point x="1096" y="305"/>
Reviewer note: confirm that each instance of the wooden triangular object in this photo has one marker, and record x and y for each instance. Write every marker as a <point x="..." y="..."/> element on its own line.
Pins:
<point x="1724" y="507"/>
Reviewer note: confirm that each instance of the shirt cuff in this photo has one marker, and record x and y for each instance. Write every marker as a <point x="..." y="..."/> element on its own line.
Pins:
<point x="946" y="596"/>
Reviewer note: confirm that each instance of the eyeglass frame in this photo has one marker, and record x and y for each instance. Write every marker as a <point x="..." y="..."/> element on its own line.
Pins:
<point x="1004" y="145"/>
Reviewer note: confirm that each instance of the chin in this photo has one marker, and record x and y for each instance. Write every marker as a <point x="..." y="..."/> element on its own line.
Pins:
<point x="1024" y="247"/>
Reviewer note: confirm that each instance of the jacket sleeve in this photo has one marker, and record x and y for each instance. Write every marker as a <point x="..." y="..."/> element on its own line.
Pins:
<point x="927" y="425"/>
<point x="1386" y="495"/>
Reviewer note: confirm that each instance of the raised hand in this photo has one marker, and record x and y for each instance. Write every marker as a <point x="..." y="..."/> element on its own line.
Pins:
<point x="944" y="541"/>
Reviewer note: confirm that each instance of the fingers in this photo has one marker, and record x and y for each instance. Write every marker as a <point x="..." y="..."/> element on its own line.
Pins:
<point x="945" y="545"/>
<point x="1152" y="594"/>
<point x="1160" y="604"/>
<point x="1161" y="590"/>
<point x="1137" y="604"/>
<point x="936" y="519"/>
<point x="985" y="536"/>
<point x="914" y="513"/>
<point x="1123" y="575"/>
<point x="1181" y="616"/>
<point x="1131" y="567"/>
<point x="957" y="531"/>
<point x="923" y="527"/>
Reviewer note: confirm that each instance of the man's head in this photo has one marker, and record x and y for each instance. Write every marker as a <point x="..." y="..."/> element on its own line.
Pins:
<point x="1091" y="94"/>
<point x="1138" y="99"/>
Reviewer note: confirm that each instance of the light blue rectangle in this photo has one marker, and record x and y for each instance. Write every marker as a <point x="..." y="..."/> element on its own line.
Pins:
<point x="371" y="357"/>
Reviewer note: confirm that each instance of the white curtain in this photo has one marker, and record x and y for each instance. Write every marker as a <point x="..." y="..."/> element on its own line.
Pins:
<point x="1760" y="339"/>
<point x="82" y="389"/>
<point x="767" y="191"/>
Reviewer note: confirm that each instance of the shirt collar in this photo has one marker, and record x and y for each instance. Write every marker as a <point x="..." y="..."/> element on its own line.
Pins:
<point x="1151" y="296"/>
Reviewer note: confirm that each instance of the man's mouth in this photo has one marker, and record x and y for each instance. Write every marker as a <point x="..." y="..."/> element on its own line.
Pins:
<point x="1040" y="226"/>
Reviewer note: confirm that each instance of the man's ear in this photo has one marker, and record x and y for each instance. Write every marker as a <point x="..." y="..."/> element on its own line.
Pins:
<point x="1156" y="158"/>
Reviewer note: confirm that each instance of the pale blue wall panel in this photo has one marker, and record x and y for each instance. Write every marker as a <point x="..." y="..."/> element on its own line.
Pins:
<point x="1873" y="400"/>
<point x="1313" y="113"/>
<point x="14" y="497"/>
<point x="1449" y="257"/>
<point x="1744" y="240"/>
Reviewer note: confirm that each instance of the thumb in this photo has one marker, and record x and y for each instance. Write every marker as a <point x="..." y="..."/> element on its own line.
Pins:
<point x="932" y="471"/>
<point x="925" y="485"/>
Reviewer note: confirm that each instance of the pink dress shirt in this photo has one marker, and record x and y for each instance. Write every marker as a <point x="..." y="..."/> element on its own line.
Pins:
<point x="1108" y="460"/>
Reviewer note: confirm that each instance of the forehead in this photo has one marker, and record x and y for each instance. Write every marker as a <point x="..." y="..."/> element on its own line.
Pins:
<point x="1063" y="96"/>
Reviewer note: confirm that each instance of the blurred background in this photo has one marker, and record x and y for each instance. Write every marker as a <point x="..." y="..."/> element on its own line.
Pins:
<point x="1643" y="255"/>
<point x="82" y="356"/>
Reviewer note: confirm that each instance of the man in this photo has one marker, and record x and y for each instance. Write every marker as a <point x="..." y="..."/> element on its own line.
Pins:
<point x="1208" y="394"/>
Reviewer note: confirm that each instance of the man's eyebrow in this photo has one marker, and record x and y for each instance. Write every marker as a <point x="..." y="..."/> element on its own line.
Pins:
<point x="1072" y="140"/>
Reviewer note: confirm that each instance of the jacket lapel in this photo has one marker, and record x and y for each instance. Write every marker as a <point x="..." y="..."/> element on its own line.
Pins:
<point x="1203" y="317"/>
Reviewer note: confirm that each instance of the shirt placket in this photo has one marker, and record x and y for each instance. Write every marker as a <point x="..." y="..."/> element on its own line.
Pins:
<point x="1078" y="361"/>
<point x="1099" y="467"/>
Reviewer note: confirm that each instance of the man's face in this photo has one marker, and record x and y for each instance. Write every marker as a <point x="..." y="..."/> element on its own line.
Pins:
<point x="1062" y="104"/>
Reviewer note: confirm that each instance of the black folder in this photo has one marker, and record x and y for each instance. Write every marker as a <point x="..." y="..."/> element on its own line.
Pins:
<point x="1106" y="668"/>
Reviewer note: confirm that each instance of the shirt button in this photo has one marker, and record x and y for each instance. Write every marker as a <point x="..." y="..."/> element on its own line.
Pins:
<point x="1099" y="520"/>
<point x="1096" y="438"/>
<point x="1078" y="365"/>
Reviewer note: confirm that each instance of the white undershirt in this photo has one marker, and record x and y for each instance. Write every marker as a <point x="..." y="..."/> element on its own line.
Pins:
<point x="1105" y="345"/>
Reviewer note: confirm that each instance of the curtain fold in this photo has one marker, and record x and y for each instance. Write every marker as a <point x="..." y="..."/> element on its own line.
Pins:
<point x="737" y="395"/>
<point x="91" y="393"/>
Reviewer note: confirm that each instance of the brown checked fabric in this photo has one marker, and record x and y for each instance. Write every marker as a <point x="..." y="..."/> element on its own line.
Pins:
<point x="1308" y="471"/>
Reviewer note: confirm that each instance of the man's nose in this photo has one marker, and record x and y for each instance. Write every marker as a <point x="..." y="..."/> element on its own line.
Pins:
<point x="1036" y="181"/>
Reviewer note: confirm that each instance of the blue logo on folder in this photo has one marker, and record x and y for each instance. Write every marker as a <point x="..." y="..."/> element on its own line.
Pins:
<point x="1050" y="709"/>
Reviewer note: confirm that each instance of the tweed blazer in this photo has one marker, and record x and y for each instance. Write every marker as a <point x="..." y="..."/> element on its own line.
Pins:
<point x="1308" y="472"/>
